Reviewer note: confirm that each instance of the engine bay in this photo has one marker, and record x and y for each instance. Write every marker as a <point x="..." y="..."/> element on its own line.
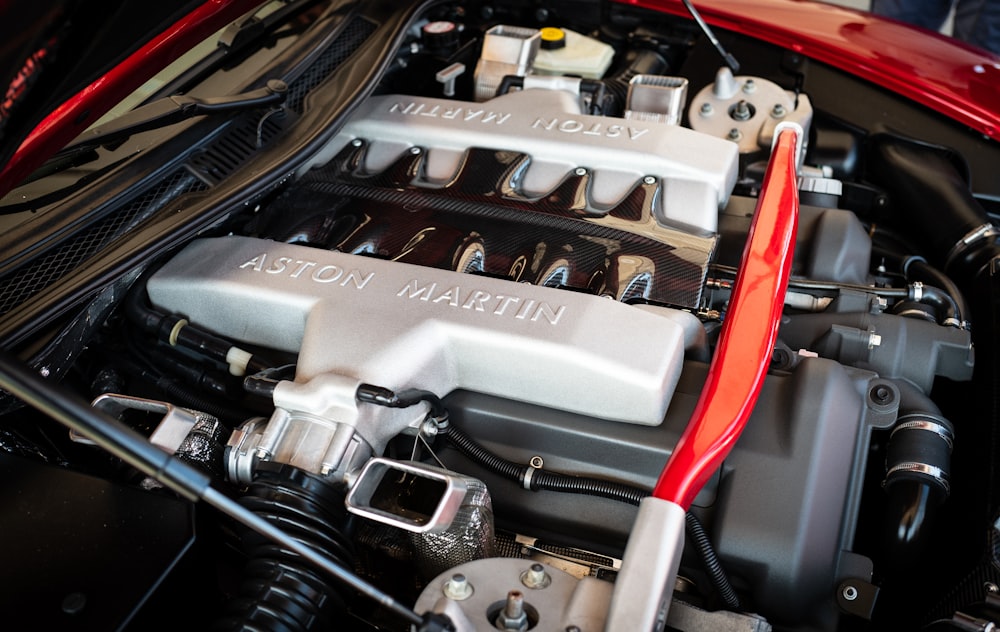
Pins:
<point x="455" y="350"/>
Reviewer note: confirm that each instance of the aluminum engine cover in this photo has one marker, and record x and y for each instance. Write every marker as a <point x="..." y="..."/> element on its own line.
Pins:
<point x="698" y="171"/>
<point x="406" y="326"/>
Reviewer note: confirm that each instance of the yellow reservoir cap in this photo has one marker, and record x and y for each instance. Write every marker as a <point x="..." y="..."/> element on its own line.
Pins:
<point x="552" y="38"/>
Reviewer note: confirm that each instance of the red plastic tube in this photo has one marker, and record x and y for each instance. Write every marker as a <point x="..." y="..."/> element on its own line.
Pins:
<point x="743" y="354"/>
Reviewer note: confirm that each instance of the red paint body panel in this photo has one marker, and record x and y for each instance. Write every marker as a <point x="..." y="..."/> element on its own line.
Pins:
<point x="743" y="354"/>
<point x="78" y="113"/>
<point x="960" y="81"/>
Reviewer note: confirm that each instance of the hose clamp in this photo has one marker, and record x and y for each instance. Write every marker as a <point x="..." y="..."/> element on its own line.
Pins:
<point x="926" y="424"/>
<point x="931" y="471"/>
<point x="986" y="231"/>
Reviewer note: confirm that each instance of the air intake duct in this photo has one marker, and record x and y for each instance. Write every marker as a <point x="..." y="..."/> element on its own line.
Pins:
<point x="280" y="591"/>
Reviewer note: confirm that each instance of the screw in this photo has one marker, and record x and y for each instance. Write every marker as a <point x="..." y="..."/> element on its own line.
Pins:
<point x="850" y="593"/>
<point x="428" y="428"/>
<point x="706" y="109"/>
<point x="535" y="577"/>
<point x="881" y="394"/>
<point x="778" y="110"/>
<point x="356" y="142"/>
<point x="874" y="340"/>
<point x="513" y="617"/>
<point x="742" y="111"/>
<point x="991" y="587"/>
<point x="536" y="462"/>
<point x="649" y="180"/>
<point x="580" y="171"/>
<point x="415" y="150"/>
<point x="749" y="86"/>
<point x="734" y="134"/>
<point x="458" y="587"/>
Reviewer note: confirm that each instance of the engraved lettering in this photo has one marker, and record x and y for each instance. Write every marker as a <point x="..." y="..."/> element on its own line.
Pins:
<point x="257" y="263"/>
<point x="505" y="301"/>
<point x="450" y="296"/>
<point x="634" y="133"/>
<point x="303" y="266"/>
<point x="593" y="130"/>
<point x="432" y="112"/>
<point x="570" y="126"/>
<point x="493" y="116"/>
<point x="279" y="265"/>
<point x="476" y="300"/>
<point x="473" y="114"/>
<point x="545" y="311"/>
<point x="327" y="274"/>
<point x="413" y="290"/>
<point x="451" y="113"/>
<point x="528" y="310"/>
<point x="614" y="131"/>
<point x="550" y="125"/>
<point x="359" y="281"/>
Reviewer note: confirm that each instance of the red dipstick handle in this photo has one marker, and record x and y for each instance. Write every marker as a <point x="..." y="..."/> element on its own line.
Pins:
<point x="744" y="350"/>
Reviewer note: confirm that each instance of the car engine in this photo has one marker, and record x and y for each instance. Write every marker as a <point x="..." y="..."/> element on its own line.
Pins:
<point x="465" y="338"/>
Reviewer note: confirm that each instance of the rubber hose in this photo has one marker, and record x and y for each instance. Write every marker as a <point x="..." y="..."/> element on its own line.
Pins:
<point x="279" y="591"/>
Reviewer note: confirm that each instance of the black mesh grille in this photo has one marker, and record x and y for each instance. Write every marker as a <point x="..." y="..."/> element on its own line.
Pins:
<point x="40" y="273"/>
<point x="238" y="143"/>
<point x="219" y="159"/>
<point x="354" y="34"/>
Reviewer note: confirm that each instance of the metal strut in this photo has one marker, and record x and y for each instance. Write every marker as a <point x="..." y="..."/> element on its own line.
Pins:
<point x="645" y="583"/>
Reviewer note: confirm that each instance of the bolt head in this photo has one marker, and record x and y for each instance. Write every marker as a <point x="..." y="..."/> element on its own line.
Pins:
<point x="778" y="110"/>
<point x="749" y="86"/>
<point x="649" y="180"/>
<point x="734" y="134"/>
<point x="580" y="171"/>
<point x="705" y="109"/>
<point x="457" y="588"/>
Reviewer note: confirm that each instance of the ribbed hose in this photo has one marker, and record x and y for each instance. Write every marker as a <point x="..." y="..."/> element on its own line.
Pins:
<point x="279" y="592"/>
<point x="536" y="479"/>
<point x="697" y="535"/>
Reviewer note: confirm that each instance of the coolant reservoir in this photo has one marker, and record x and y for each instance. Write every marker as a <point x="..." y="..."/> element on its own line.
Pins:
<point x="565" y="52"/>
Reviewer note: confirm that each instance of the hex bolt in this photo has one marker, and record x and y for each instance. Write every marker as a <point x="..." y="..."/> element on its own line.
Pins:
<point x="706" y="109"/>
<point x="535" y="577"/>
<point x="649" y="180"/>
<point x="513" y="617"/>
<point x="850" y="593"/>
<point x="734" y="134"/>
<point x="742" y="111"/>
<point x="749" y="86"/>
<point x="778" y="111"/>
<point x="458" y="587"/>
